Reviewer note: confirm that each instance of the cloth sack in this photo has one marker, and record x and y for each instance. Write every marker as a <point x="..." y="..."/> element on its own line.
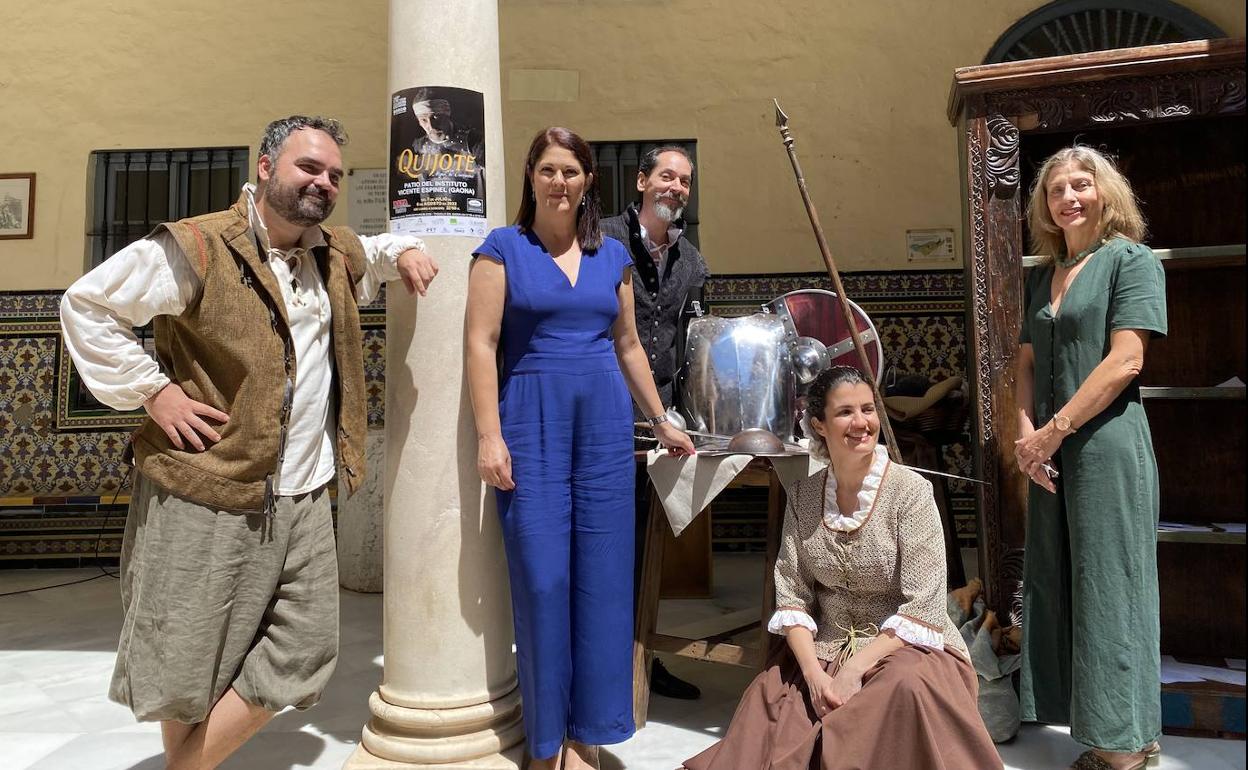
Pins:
<point x="998" y="700"/>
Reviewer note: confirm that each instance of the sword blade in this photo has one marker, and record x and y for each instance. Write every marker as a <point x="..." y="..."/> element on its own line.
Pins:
<point x="931" y="472"/>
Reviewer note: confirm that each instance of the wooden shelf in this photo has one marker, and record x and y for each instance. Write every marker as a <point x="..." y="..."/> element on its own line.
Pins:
<point x="1205" y="538"/>
<point x="1203" y="709"/>
<point x="1190" y="257"/>
<point x="1192" y="394"/>
<point x="1201" y="256"/>
<point x="1206" y="685"/>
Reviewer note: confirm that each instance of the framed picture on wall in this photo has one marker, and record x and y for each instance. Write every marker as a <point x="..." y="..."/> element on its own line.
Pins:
<point x="17" y="206"/>
<point x="78" y="410"/>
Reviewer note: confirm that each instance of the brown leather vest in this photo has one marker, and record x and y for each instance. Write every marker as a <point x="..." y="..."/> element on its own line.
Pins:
<point x="231" y="348"/>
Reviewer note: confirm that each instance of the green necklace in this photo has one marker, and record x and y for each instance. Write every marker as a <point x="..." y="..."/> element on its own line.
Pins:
<point x="1069" y="262"/>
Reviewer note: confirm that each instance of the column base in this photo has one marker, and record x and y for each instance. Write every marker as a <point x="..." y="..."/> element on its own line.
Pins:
<point x="511" y="759"/>
<point x="483" y="736"/>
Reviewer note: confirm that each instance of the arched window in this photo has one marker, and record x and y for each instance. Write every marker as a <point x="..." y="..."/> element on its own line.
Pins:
<point x="1079" y="26"/>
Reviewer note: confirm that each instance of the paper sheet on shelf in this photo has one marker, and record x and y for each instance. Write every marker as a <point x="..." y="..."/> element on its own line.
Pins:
<point x="1224" y="675"/>
<point x="1174" y="526"/>
<point x="1174" y="671"/>
<point x="1230" y="526"/>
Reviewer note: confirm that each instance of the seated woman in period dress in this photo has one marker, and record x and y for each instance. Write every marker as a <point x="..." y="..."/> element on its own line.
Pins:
<point x="875" y="675"/>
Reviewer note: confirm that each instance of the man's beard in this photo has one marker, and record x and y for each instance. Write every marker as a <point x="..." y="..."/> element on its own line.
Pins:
<point x="664" y="209"/>
<point x="294" y="206"/>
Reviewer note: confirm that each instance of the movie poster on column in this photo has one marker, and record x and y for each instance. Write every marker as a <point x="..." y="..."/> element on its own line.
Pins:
<point x="437" y="163"/>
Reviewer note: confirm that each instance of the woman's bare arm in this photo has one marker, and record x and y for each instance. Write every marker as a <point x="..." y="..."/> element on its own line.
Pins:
<point x="487" y="292"/>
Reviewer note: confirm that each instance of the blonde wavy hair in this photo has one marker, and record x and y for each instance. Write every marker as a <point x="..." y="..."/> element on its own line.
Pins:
<point x="1120" y="215"/>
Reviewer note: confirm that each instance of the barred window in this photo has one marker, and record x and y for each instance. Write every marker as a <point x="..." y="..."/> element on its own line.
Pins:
<point x="135" y="190"/>
<point x="617" y="163"/>
<point x="1079" y="26"/>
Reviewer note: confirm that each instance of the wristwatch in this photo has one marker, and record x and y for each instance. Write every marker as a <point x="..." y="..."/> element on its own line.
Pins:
<point x="659" y="419"/>
<point x="1062" y="423"/>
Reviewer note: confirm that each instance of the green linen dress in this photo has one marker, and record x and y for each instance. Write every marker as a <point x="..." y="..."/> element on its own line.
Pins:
<point x="1091" y="629"/>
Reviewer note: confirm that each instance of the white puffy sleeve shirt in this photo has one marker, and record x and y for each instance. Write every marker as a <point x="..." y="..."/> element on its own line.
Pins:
<point x="152" y="277"/>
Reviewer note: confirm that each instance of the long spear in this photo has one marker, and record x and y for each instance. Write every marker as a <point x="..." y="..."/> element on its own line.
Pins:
<point x="782" y="122"/>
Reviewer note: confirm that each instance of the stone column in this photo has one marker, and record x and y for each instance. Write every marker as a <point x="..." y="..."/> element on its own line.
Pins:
<point x="448" y="697"/>
<point x="359" y="524"/>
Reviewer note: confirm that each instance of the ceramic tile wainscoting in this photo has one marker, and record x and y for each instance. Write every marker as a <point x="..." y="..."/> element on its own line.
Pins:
<point x="62" y="480"/>
<point x="63" y="484"/>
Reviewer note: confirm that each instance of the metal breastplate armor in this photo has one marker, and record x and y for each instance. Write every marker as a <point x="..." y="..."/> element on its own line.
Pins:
<point x="746" y="372"/>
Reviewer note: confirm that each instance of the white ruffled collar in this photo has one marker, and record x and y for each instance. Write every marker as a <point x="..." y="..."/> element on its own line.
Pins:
<point x="832" y="516"/>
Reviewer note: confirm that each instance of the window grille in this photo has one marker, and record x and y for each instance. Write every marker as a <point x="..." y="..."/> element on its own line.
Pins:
<point x="1079" y="26"/>
<point x="135" y="190"/>
<point x="616" y="164"/>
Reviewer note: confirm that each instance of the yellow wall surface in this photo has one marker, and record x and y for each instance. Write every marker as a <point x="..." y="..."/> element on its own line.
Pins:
<point x="865" y="86"/>
<point x="83" y="75"/>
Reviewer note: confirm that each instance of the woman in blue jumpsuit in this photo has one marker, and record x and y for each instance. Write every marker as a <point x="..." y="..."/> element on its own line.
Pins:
<point x="554" y="425"/>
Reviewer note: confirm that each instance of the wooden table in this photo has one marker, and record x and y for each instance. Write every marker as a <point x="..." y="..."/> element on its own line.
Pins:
<point x="716" y="648"/>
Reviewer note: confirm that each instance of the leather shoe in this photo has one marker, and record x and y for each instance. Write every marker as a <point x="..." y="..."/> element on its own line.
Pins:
<point x="663" y="682"/>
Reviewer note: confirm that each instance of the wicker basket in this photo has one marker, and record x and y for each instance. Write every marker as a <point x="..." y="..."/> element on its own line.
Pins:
<point x="946" y="417"/>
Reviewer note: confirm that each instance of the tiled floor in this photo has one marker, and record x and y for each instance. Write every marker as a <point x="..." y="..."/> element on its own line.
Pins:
<point x="56" y="656"/>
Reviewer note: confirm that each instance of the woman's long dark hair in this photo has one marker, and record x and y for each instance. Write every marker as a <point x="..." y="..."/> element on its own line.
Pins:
<point x="587" y="233"/>
<point x="817" y="402"/>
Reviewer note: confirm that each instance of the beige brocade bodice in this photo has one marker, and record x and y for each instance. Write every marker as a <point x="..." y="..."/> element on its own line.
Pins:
<point x="850" y="583"/>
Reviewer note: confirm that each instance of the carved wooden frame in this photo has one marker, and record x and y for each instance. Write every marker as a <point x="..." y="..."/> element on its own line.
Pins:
<point x="994" y="105"/>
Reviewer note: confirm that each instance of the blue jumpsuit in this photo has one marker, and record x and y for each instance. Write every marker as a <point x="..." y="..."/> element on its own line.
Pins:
<point x="568" y="525"/>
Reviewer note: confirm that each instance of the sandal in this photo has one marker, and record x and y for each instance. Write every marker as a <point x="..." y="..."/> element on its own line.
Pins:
<point x="1090" y="760"/>
<point x="527" y="763"/>
<point x="593" y="758"/>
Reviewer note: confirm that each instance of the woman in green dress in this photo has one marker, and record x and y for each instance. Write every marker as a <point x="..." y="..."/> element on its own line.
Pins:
<point x="1091" y="630"/>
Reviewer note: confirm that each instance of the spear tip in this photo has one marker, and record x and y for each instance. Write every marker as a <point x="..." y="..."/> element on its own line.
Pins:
<point x="782" y="120"/>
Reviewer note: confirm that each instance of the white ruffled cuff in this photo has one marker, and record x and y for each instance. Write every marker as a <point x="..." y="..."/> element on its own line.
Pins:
<point x="913" y="632"/>
<point x="381" y="254"/>
<point x="783" y="619"/>
<point x="397" y="244"/>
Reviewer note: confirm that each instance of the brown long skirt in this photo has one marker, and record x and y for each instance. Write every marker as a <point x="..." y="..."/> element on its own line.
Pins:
<point x="916" y="711"/>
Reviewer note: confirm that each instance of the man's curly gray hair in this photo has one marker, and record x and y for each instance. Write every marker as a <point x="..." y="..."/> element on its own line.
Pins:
<point x="277" y="132"/>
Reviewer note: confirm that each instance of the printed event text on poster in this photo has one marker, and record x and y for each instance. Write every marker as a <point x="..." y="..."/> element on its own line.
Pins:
<point x="366" y="200"/>
<point x="437" y="161"/>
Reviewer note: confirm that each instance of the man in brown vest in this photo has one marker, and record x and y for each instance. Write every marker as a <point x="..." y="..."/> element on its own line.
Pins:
<point x="255" y="398"/>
